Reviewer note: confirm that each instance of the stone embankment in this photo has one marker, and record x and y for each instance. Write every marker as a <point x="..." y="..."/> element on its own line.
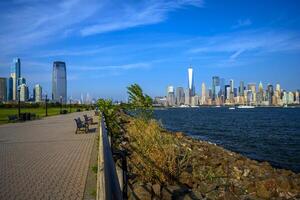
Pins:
<point x="209" y="172"/>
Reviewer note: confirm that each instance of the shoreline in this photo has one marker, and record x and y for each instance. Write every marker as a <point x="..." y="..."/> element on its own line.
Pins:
<point x="211" y="171"/>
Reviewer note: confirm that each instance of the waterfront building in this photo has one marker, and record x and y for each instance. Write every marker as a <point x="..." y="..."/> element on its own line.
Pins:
<point x="187" y="97"/>
<point x="24" y="93"/>
<point x="222" y="87"/>
<point x="297" y="95"/>
<point x="269" y="94"/>
<point x="170" y="96"/>
<point x="15" y="75"/>
<point x="179" y="96"/>
<point x="159" y="101"/>
<point x="215" y="87"/>
<point x="59" y="82"/>
<point x="191" y="83"/>
<point x="195" y="100"/>
<point x="37" y="93"/>
<point x="252" y="88"/>
<point x="3" y="89"/>
<point x="227" y="92"/>
<point x="291" y="98"/>
<point x="241" y="88"/>
<point x="10" y="89"/>
<point x="203" y="94"/>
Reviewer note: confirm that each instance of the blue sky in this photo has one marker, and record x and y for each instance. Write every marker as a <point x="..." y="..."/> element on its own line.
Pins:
<point x="110" y="44"/>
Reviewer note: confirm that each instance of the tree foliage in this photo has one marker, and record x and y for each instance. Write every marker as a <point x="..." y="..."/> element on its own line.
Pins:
<point x="140" y="103"/>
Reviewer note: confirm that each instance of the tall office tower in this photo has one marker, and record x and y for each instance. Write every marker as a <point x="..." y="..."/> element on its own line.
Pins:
<point x="252" y="87"/>
<point x="21" y="81"/>
<point x="285" y="98"/>
<point x="222" y="86"/>
<point x="270" y="93"/>
<point x="278" y="87"/>
<point x="59" y="82"/>
<point x="231" y="83"/>
<point x="260" y="94"/>
<point x="37" y="93"/>
<point x="203" y="94"/>
<point x="191" y="83"/>
<point x="215" y="87"/>
<point x="241" y="88"/>
<point x="3" y="89"/>
<point x="15" y="74"/>
<point x="227" y="92"/>
<point x="10" y="89"/>
<point x="24" y="94"/>
<point x="297" y="95"/>
<point x="291" y="98"/>
<point x="187" y="97"/>
<point x="170" y="96"/>
<point x="179" y="96"/>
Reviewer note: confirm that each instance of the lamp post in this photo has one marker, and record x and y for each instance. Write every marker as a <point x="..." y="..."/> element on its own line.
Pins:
<point x="19" y="103"/>
<point x="46" y="100"/>
<point x="60" y="104"/>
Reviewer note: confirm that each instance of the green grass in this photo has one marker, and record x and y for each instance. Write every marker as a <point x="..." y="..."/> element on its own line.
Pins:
<point x="40" y="112"/>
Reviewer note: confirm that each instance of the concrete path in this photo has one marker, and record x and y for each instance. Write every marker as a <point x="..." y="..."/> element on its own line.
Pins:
<point x="44" y="159"/>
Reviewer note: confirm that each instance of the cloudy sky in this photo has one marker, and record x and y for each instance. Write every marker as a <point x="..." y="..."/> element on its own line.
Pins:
<point x="109" y="44"/>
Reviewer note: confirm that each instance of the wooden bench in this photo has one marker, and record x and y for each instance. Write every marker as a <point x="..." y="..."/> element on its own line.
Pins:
<point x="88" y="120"/>
<point x="80" y="126"/>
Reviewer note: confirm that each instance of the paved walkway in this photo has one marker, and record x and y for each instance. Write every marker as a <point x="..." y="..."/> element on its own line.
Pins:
<point x="44" y="159"/>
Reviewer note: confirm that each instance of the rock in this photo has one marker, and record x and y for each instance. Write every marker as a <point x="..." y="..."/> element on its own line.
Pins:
<point x="141" y="192"/>
<point x="156" y="189"/>
<point x="173" y="192"/>
<point x="246" y="172"/>
<point x="186" y="178"/>
<point x="265" y="188"/>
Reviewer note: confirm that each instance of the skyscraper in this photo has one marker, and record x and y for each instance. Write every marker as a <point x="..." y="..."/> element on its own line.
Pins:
<point x="10" y="89"/>
<point x="191" y="81"/>
<point x="3" y="89"/>
<point x="15" y="74"/>
<point x="24" y="94"/>
<point x="203" y="94"/>
<point x="241" y="89"/>
<point x="179" y="96"/>
<point x="37" y="93"/>
<point x="59" y="82"/>
<point x="215" y="87"/>
<point x="170" y="96"/>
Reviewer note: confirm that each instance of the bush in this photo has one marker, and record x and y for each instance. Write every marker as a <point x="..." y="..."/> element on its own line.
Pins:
<point x="156" y="155"/>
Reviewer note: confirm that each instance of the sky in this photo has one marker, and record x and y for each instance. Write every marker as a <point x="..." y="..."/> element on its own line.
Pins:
<point x="110" y="44"/>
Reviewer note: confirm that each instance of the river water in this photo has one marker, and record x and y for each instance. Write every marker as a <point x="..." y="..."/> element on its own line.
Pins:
<point x="264" y="134"/>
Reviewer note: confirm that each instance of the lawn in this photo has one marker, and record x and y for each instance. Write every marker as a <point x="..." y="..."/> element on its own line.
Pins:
<point x="40" y="112"/>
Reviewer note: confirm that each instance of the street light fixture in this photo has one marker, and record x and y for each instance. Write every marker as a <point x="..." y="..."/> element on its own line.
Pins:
<point x="70" y="104"/>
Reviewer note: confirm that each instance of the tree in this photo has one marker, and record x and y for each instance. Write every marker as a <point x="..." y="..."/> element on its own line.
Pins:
<point x="141" y="103"/>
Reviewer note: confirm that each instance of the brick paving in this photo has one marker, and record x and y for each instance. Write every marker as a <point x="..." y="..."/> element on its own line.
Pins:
<point x="44" y="159"/>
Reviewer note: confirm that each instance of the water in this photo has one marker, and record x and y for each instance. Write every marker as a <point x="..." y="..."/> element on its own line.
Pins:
<point x="264" y="134"/>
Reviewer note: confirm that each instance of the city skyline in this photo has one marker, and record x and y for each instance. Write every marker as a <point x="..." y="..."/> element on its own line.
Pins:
<point x="114" y="44"/>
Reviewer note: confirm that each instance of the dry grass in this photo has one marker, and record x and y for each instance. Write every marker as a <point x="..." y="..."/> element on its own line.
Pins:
<point x="157" y="156"/>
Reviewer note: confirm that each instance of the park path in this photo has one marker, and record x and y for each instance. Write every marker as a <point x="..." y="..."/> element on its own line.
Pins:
<point x="44" y="159"/>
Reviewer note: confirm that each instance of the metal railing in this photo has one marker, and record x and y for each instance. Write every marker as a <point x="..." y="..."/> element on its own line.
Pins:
<point x="108" y="186"/>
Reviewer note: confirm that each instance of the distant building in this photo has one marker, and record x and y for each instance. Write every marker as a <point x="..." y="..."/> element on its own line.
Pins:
<point x="241" y="88"/>
<point x="227" y="92"/>
<point x="15" y="75"/>
<point x="10" y="89"/>
<point x="179" y="96"/>
<point x="187" y="97"/>
<point x="191" y="83"/>
<point x="203" y="94"/>
<point x="215" y="87"/>
<point x="24" y="93"/>
<point x="170" y="96"/>
<point x="37" y="93"/>
<point x="59" y="82"/>
<point x="3" y="89"/>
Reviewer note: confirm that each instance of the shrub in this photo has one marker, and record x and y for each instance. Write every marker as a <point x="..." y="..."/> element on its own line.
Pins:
<point x="156" y="155"/>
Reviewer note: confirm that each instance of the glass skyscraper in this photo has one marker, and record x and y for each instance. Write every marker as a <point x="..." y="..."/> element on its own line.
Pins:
<point x="191" y="81"/>
<point x="15" y="74"/>
<point x="215" y="87"/>
<point x="59" y="82"/>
